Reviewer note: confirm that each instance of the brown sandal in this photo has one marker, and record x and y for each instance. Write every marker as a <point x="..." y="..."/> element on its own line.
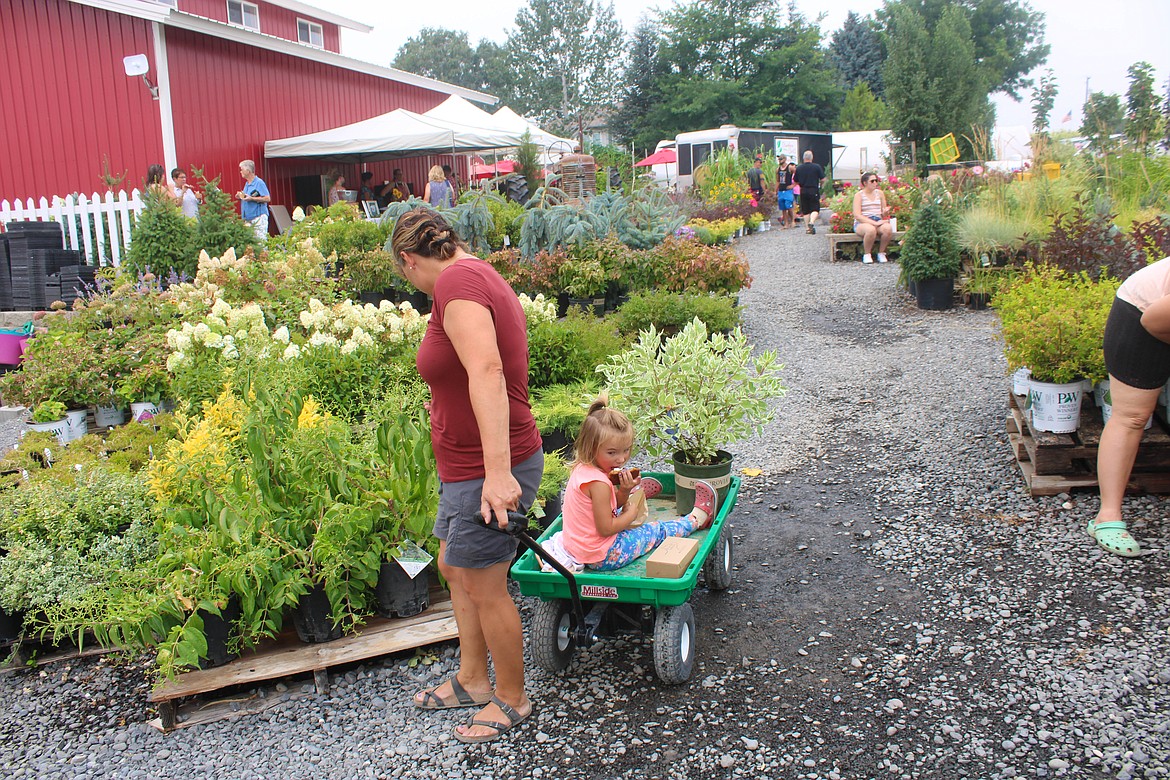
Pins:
<point x="432" y="700"/>
<point x="514" y="720"/>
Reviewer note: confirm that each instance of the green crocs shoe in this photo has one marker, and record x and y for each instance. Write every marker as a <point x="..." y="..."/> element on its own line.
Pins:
<point x="1113" y="537"/>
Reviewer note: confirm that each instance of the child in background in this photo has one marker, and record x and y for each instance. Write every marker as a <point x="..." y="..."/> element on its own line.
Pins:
<point x="597" y="513"/>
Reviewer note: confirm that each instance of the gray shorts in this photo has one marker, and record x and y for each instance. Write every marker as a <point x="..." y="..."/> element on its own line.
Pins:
<point x="471" y="544"/>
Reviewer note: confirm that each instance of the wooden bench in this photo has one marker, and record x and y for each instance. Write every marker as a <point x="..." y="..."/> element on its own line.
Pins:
<point x="837" y="239"/>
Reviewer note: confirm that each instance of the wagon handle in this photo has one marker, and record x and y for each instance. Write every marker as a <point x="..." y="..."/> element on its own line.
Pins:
<point x="518" y="527"/>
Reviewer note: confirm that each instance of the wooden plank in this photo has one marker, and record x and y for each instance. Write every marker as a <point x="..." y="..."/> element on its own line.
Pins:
<point x="197" y="713"/>
<point x="836" y="239"/>
<point x="283" y="658"/>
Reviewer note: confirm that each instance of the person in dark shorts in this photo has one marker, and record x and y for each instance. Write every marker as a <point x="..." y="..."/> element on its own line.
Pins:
<point x="755" y="177"/>
<point x="809" y="176"/>
<point x="474" y="358"/>
<point x="1137" y="357"/>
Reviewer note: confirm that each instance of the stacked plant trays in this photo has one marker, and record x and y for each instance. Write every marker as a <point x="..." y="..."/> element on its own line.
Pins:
<point x="71" y="282"/>
<point x="34" y="251"/>
<point x="5" y="276"/>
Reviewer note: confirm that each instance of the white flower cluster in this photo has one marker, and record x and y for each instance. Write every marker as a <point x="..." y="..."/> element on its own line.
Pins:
<point x="226" y="329"/>
<point x="354" y="326"/>
<point x="538" y="309"/>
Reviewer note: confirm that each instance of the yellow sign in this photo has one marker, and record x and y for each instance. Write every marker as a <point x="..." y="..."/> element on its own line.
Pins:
<point x="944" y="150"/>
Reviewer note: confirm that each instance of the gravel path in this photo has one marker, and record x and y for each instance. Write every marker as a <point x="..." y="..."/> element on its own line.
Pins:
<point x="901" y="608"/>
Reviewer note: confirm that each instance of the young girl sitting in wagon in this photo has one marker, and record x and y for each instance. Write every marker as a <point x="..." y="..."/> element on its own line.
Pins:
<point x="597" y="511"/>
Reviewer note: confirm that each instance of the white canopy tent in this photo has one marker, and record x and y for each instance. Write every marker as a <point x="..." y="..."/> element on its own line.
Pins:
<point x="399" y="133"/>
<point x="453" y="126"/>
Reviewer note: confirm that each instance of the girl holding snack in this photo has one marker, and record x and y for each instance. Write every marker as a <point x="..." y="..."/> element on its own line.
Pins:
<point x="598" y="511"/>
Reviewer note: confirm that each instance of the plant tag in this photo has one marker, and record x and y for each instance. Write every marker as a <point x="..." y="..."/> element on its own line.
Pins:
<point x="413" y="559"/>
<point x="507" y="240"/>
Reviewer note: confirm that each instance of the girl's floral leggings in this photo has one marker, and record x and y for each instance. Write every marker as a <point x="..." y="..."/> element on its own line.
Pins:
<point x="633" y="543"/>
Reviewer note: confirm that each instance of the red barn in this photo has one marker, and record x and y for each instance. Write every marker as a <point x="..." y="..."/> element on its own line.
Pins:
<point x="227" y="76"/>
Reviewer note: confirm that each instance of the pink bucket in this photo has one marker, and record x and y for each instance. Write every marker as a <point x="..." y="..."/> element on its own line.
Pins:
<point x="12" y="347"/>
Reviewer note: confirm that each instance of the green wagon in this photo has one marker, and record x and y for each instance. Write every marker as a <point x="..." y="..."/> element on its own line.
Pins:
<point x="575" y="610"/>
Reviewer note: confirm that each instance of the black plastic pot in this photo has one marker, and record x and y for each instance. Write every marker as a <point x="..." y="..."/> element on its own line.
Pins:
<point x="978" y="301"/>
<point x="312" y="617"/>
<point x="562" y="304"/>
<point x="218" y="629"/>
<point x="397" y="595"/>
<point x="377" y="297"/>
<point x="594" y="306"/>
<point x="420" y="301"/>
<point x="936" y="294"/>
<point x="555" y="440"/>
<point x="11" y="624"/>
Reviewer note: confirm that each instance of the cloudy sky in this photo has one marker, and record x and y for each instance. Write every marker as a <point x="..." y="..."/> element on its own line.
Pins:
<point x="1089" y="40"/>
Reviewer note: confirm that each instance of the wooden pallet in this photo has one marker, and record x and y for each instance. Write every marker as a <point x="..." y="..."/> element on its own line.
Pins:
<point x="286" y="655"/>
<point x="837" y="239"/>
<point x="1054" y="463"/>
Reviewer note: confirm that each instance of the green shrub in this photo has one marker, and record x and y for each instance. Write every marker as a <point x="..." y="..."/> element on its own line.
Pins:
<point x="930" y="250"/>
<point x="669" y="312"/>
<point x="219" y="225"/>
<point x="562" y="407"/>
<point x="569" y="350"/>
<point x="162" y="239"/>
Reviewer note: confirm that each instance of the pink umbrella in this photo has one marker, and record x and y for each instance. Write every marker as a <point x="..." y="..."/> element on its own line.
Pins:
<point x="661" y="157"/>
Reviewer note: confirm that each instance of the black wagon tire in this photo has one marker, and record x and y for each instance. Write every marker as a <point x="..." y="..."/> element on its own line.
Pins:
<point x="674" y="643"/>
<point x="717" y="567"/>
<point x="553" y="641"/>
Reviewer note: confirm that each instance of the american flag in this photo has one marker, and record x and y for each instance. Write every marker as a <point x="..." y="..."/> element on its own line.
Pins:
<point x="1067" y="117"/>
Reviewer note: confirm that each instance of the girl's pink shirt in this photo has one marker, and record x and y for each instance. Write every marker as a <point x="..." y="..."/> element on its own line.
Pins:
<point x="580" y="535"/>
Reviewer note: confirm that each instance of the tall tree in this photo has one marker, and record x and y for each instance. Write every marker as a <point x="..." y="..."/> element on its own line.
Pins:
<point x="721" y="39"/>
<point x="1043" y="99"/>
<point x="1103" y="118"/>
<point x="639" y="93"/>
<point x="858" y="54"/>
<point x="933" y="83"/>
<point x="1143" y="119"/>
<point x="1008" y="37"/>
<point x="567" y="59"/>
<point x="737" y="61"/>
<point x="861" y="110"/>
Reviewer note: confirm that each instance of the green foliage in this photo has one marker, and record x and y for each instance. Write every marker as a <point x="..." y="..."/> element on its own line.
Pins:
<point x="983" y="231"/>
<point x="219" y="225"/>
<point x="862" y="111"/>
<point x="447" y="55"/>
<point x="507" y="217"/>
<point x="669" y="312"/>
<point x="639" y="85"/>
<point x="1043" y="99"/>
<point x="583" y="278"/>
<point x="694" y="393"/>
<point x="566" y="59"/>
<point x="934" y="84"/>
<point x="1007" y="37"/>
<point x="473" y="221"/>
<point x="1104" y="118"/>
<point x="1053" y="322"/>
<point x="552" y="482"/>
<point x="930" y="249"/>
<point x="48" y="411"/>
<point x="1144" y="122"/>
<point x="562" y="407"/>
<point x="568" y="350"/>
<point x="65" y="539"/>
<point x="857" y="53"/>
<point x="162" y="239"/>
<point x="528" y="162"/>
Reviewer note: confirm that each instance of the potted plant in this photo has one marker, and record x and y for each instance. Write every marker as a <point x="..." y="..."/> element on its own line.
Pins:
<point x="691" y="395"/>
<point x="144" y="389"/>
<point x="930" y="257"/>
<point x="49" y="416"/>
<point x="979" y="286"/>
<point x="1053" y="323"/>
<point x="559" y="411"/>
<point x="585" y="282"/>
<point x="669" y="312"/>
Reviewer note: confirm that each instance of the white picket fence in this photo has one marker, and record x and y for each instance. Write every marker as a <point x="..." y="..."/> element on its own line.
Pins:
<point x="99" y="225"/>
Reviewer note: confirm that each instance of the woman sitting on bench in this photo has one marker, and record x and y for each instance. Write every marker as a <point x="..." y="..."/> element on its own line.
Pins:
<point x="871" y="218"/>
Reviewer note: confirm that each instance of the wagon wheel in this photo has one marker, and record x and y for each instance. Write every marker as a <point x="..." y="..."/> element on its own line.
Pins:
<point x="553" y="641"/>
<point x="717" y="569"/>
<point x="674" y="643"/>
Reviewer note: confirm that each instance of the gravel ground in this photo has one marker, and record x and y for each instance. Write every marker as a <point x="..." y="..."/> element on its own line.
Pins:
<point x="901" y="608"/>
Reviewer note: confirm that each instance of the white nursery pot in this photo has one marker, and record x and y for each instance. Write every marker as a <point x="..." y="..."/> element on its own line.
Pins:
<point x="1055" y="408"/>
<point x="108" y="416"/>
<point x="142" y="410"/>
<point x="1020" y="379"/>
<point x="78" y="424"/>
